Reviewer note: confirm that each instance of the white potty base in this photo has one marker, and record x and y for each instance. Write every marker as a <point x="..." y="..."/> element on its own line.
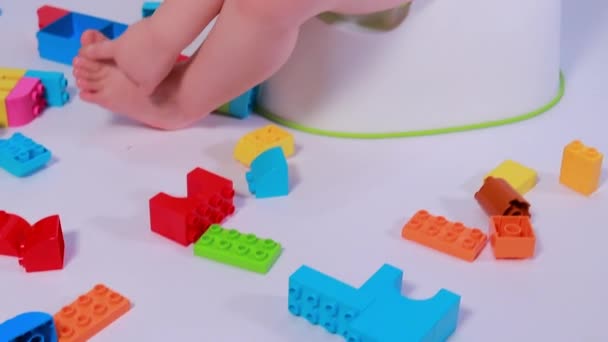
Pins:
<point x="451" y="66"/>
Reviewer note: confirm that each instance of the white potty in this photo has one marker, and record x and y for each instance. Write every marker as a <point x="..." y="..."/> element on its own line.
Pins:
<point x="449" y="66"/>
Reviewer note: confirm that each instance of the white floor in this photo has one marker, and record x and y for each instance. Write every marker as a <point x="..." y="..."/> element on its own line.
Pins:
<point x="343" y="216"/>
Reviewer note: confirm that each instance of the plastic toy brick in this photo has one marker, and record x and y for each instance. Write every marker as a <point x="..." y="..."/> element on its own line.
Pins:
<point x="3" y="113"/>
<point x="90" y="313"/>
<point x="581" y="168"/>
<point x="12" y="232"/>
<point x="21" y="156"/>
<point x="148" y="8"/>
<point x="376" y="311"/>
<point x="231" y="247"/>
<point x="55" y="85"/>
<point x="60" y="40"/>
<point x="42" y="248"/>
<point x="29" y="327"/>
<point x="452" y="238"/>
<point x="520" y="177"/>
<point x="512" y="237"/>
<point x="25" y="101"/>
<point x="269" y="175"/>
<point x="201" y="182"/>
<point x="182" y="220"/>
<point x="182" y="58"/>
<point x="497" y="198"/>
<point x="49" y="14"/>
<point x="11" y="73"/>
<point x="242" y="106"/>
<point x="254" y="143"/>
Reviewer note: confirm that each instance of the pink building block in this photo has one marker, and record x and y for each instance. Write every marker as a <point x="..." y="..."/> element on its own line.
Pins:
<point x="25" y="102"/>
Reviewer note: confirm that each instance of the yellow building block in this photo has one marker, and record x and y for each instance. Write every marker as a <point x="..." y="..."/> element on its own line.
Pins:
<point x="254" y="143"/>
<point x="8" y="84"/>
<point x="520" y="177"/>
<point x="581" y="168"/>
<point x="3" y="112"/>
<point x="11" y="73"/>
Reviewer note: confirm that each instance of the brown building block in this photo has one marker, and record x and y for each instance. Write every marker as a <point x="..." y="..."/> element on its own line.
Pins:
<point x="497" y="198"/>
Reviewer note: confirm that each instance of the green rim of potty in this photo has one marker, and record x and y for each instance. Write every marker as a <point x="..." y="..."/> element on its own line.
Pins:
<point x="407" y="134"/>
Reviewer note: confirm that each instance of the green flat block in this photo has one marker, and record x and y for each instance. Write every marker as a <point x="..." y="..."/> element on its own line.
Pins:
<point x="231" y="247"/>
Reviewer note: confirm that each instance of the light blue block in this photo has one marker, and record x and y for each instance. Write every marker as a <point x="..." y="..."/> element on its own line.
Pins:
<point x="269" y="174"/>
<point x="148" y="8"/>
<point x="60" y="40"/>
<point x="382" y="314"/>
<point x="21" y="156"/>
<point x="29" y="326"/>
<point x="243" y="106"/>
<point x="55" y="86"/>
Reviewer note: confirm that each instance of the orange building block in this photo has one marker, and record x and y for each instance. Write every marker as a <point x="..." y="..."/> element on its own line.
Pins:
<point x="512" y="237"/>
<point x="581" y="168"/>
<point x="452" y="238"/>
<point x="89" y="314"/>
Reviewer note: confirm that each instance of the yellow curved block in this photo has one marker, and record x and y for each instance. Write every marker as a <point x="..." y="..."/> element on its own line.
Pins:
<point x="254" y="143"/>
<point x="3" y="112"/>
<point x="581" y="168"/>
<point x="12" y="73"/>
<point x="520" y="177"/>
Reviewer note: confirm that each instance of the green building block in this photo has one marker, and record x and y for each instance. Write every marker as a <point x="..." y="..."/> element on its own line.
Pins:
<point x="246" y="251"/>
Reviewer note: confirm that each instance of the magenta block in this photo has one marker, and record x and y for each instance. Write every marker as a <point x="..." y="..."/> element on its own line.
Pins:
<point x="25" y="102"/>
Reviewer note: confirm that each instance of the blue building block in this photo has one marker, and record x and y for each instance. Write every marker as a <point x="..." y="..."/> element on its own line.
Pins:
<point x="269" y="174"/>
<point x="376" y="312"/>
<point x="148" y="8"/>
<point x="21" y="156"/>
<point x="242" y="106"/>
<point x="29" y="327"/>
<point x="55" y="86"/>
<point x="60" y="41"/>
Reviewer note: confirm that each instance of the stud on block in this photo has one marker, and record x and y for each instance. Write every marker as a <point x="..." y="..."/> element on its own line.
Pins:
<point x="581" y="168"/>
<point x="520" y="177"/>
<point x="25" y="102"/>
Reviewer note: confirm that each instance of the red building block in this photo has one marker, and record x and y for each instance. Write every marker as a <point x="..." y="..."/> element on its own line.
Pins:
<point x="182" y="58"/>
<point x="204" y="183"/>
<point x="12" y="231"/>
<point x="49" y="14"/>
<point x="512" y="237"/>
<point x="42" y="248"/>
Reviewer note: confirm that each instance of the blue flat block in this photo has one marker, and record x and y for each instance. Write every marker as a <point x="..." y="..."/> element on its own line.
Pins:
<point x="60" y="41"/>
<point x="21" y="156"/>
<point x="148" y="8"/>
<point x="29" y="327"/>
<point x="325" y="301"/>
<point x="55" y="85"/>
<point x="269" y="174"/>
<point x="382" y="314"/>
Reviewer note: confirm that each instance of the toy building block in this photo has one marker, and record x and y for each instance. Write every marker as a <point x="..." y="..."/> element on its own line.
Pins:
<point x="512" y="237"/>
<point x="451" y="238"/>
<point x="11" y="73"/>
<point x="269" y="175"/>
<point x="25" y="100"/>
<point x="498" y="198"/>
<point x="59" y="41"/>
<point x="55" y="86"/>
<point x="148" y="8"/>
<point x="376" y="311"/>
<point x="22" y="156"/>
<point x="3" y="113"/>
<point x="42" y="248"/>
<point x="242" y="106"/>
<point x="254" y="143"/>
<point x="520" y="177"/>
<point x="12" y="232"/>
<point x="231" y="247"/>
<point x="49" y="14"/>
<point x="90" y="313"/>
<point x="29" y="327"/>
<point x="182" y="58"/>
<point x="210" y="200"/>
<point x="581" y="168"/>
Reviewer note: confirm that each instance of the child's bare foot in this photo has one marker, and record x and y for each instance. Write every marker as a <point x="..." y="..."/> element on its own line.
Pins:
<point x="138" y="53"/>
<point x="104" y="84"/>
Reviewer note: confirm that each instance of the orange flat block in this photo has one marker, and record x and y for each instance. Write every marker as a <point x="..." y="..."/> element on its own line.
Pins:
<point x="512" y="237"/>
<point x="452" y="238"/>
<point x="89" y="314"/>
